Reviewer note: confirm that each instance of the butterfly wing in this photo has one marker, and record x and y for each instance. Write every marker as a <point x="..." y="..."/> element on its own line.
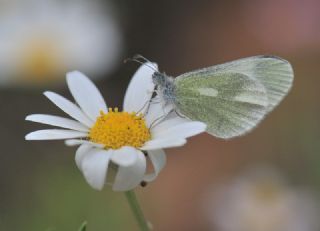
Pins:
<point x="274" y="73"/>
<point x="230" y="103"/>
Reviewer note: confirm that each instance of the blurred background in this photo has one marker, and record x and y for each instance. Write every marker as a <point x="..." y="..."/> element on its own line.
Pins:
<point x="266" y="180"/>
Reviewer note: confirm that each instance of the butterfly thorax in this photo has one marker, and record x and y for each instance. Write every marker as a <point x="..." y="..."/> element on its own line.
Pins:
<point x="164" y="87"/>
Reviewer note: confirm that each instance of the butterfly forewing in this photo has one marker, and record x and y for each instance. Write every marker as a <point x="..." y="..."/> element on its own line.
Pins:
<point x="230" y="103"/>
<point x="274" y="73"/>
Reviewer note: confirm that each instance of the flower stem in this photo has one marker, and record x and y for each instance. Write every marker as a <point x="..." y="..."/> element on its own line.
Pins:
<point x="135" y="207"/>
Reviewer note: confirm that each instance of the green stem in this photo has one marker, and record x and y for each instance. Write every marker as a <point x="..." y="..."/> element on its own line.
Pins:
<point x="135" y="207"/>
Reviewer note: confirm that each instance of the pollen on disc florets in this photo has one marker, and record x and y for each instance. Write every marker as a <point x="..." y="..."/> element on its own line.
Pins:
<point x="117" y="129"/>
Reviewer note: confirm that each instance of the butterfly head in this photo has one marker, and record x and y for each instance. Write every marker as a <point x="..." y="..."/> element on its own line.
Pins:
<point x="158" y="78"/>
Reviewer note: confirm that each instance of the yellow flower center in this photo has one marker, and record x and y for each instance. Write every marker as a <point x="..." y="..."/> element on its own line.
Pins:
<point x="117" y="129"/>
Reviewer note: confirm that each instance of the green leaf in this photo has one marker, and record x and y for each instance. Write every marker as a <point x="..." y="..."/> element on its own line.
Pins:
<point x="83" y="227"/>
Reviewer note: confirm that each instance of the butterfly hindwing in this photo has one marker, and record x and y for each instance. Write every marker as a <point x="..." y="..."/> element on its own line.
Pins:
<point x="230" y="103"/>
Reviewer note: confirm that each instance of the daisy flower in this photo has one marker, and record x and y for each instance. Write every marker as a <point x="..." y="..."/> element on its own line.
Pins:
<point x="42" y="40"/>
<point x="109" y="137"/>
<point x="262" y="201"/>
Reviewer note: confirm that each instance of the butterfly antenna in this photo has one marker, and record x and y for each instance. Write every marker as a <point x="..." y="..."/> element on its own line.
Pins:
<point x="133" y="60"/>
<point x="142" y="60"/>
<point x="138" y="56"/>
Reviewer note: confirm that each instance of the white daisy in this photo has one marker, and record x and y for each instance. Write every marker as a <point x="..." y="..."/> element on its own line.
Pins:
<point x="42" y="40"/>
<point x="262" y="201"/>
<point x="109" y="136"/>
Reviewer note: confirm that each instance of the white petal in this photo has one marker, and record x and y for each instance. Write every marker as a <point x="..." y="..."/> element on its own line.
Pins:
<point x="182" y="130"/>
<point x="158" y="159"/>
<point x="140" y="89"/>
<point x="80" y="153"/>
<point x="68" y="107"/>
<point x="94" y="167"/>
<point x="156" y="112"/>
<point x="57" y="121"/>
<point x="168" y="123"/>
<point x="54" y="134"/>
<point x="125" y="156"/>
<point x="86" y="94"/>
<point x="163" y="143"/>
<point x="75" y="142"/>
<point x="129" y="177"/>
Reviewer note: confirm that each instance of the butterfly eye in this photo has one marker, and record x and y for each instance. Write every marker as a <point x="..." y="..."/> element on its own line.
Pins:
<point x="158" y="78"/>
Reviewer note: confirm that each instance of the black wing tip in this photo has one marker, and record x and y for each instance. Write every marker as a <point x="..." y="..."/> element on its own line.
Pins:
<point x="273" y="57"/>
<point x="277" y="58"/>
